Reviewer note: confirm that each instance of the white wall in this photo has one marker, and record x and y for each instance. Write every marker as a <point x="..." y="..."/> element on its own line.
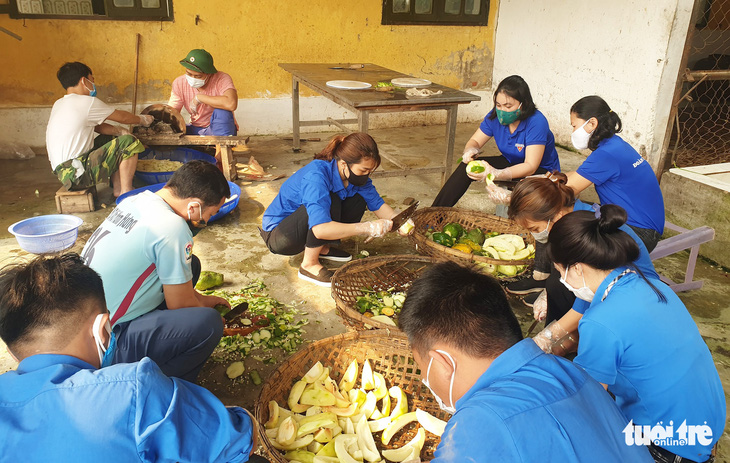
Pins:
<point x="626" y="51"/>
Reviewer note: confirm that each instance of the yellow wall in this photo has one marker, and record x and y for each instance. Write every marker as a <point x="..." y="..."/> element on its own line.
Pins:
<point x="247" y="38"/>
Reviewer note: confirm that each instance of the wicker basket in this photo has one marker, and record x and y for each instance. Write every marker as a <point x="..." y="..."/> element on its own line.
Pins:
<point x="437" y="217"/>
<point x="389" y="354"/>
<point x="378" y="273"/>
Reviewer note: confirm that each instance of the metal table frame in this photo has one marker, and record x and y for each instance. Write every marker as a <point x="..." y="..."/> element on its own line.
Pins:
<point x="365" y="102"/>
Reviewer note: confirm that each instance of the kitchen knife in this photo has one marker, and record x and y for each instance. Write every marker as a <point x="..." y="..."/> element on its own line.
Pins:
<point x="236" y="311"/>
<point x="403" y="217"/>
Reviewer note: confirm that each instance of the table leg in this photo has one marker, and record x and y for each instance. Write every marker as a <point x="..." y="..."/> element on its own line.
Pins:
<point x="450" y="136"/>
<point x="229" y="166"/>
<point x="295" y="113"/>
<point x="363" y="119"/>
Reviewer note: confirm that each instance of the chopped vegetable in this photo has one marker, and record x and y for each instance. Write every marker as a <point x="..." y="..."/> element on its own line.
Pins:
<point x="235" y="370"/>
<point x="255" y="377"/>
<point x="475" y="167"/>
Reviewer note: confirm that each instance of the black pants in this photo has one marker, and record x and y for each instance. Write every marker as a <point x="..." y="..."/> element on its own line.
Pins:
<point x="459" y="182"/>
<point x="559" y="299"/>
<point x="293" y="234"/>
<point x="649" y="236"/>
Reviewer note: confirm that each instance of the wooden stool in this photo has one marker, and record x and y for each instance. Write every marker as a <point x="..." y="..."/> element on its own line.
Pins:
<point x="75" y="201"/>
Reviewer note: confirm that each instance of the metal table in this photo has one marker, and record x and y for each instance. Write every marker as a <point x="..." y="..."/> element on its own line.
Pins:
<point x="365" y="102"/>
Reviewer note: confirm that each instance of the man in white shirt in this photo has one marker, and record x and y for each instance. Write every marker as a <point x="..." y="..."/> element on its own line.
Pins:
<point x="77" y="158"/>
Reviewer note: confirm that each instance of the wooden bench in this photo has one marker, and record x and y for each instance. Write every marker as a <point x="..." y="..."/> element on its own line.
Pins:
<point x="75" y="201"/>
<point x="686" y="239"/>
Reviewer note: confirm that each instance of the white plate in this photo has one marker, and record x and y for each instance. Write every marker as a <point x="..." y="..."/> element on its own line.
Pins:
<point x="348" y="84"/>
<point x="410" y="82"/>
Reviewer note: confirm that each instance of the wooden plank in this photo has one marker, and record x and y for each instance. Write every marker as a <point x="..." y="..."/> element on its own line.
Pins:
<point x="182" y="140"/>
<point x="228" y="163"/>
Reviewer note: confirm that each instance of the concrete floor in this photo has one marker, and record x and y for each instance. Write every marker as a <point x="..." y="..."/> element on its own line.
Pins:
<point x="232" y="245"/>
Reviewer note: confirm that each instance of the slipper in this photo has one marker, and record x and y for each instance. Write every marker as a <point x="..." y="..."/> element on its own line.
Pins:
<point x="323" y="278"/>
<point x="336" y="255"/>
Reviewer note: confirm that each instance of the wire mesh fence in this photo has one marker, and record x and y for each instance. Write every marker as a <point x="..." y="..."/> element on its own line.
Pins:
<point x="701" y="129"/>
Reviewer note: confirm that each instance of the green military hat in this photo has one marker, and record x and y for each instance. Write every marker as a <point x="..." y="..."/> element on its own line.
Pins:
<point x="199" y="60"/>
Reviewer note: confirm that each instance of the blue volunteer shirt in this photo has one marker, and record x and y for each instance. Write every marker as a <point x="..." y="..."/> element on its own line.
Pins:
<point x="530" y="407"/>
<point x="643" y="262"/>
<point x="653" y="359"/>
<point x="532" y="131"/>
<point x="59" y="408"/>
<point x="623" y="177"/>
<point x="311" y="186"/>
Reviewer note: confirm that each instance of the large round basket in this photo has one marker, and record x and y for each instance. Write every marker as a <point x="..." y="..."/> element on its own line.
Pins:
<point x="389" y="354"/>
<point x="437" y="217"/>
<point x="378" y="274"/>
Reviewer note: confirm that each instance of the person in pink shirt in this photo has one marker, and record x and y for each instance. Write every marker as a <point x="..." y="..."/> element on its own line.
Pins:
<point x="207" y="94"/>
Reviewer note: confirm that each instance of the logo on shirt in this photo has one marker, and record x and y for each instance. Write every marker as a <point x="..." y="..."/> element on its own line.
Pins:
<point x="189" y="252"/>
<point x="519" y="147"/>
<point x="667" y="436"/>
<point x="638" y="163"/>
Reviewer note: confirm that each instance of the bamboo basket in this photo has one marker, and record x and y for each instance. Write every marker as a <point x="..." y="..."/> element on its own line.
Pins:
<point x="389" y="354"/>
<point x="437" y="217"/>
<point x="379" y="274"/>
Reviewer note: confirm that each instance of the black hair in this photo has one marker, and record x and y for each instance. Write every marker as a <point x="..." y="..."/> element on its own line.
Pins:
<point x="71" y="73"/>
<point x="609" y="123"/>
<point x="57" y="292"/>
<point x="200" y="179"/>
<point x="461" y="307"/>
<point x="515" y="87"/>
<point x="581" y="237"/>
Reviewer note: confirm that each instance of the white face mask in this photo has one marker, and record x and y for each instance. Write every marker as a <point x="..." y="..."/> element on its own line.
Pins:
<point x="580" y="137"/>
<point x="448" y="409"/>
<point x="583" y="292"/>
<point x="193" y="82"/>
<point x="542" y="237"/>
<point x="100" y="347"/>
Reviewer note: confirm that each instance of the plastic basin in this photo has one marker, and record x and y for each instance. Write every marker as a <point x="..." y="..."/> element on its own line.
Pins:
<point x="177" y="154"/>
<point x="46" y="233"/>
<point x="225" y="209"/>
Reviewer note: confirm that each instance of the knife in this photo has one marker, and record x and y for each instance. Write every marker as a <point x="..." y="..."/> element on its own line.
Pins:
<point x="403" y="217"/>
<point x="349" y="66"/>
<point x="236" y="311"/>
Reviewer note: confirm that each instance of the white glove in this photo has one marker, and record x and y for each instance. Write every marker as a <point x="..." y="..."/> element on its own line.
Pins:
<point x="502" y="174"/>
<point x="194" y="105"/>
<point x="498" y="195"/>
<point x="469" y="155"/>
<point x="122" y="131"/>
<point x="539" y="308"/>
<point x="553" y="339"/>
<point x="376" y="228"/>
<point x="146" y="120"/>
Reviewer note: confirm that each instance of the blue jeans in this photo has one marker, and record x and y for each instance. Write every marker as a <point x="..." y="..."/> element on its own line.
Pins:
<point x="221" y="123"/>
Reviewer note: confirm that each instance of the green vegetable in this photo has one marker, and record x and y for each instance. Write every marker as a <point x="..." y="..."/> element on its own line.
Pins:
<point x="443" y="239"/>
<point x="255" y="377"/>
<point x="235" y="370"/>
<point x="475" y="167"/>
<point x="454" y="230"/>
<point x="476" y="235"/>
<point x="209" y="280"/>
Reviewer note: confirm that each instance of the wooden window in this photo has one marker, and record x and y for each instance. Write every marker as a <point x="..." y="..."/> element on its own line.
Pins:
<point x="138" y="10"/>
<point x="436" y="12"/>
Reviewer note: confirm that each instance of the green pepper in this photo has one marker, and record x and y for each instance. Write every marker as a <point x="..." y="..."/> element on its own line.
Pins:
<point x="443" y="239"/>
<point x="454" y="230"/>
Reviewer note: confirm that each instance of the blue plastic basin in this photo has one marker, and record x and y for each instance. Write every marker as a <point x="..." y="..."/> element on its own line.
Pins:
<point x="46" y="233"/>
<point x="225" y="209"/>
<point x="177" y="154"/>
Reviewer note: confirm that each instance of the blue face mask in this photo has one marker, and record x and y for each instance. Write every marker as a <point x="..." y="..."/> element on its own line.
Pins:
<point x="92" y="92"/>
<point x="106" y="354"/>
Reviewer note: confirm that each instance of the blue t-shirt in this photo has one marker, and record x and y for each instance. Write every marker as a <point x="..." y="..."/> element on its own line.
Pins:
<point x="643" y="262"/>
<point x="142" y="245"/>
<point x="529" y="407"/>
<point x="59" y="408"/>
<point x="532" y="131"/>
<point x="623" y="177"/>
<point x="653" y="359"/>
<point x="311" y="186"/>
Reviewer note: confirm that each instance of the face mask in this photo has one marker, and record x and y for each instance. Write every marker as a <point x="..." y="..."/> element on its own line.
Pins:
<point x="506" y="118"/>
<point x="105" y="353"/>
<point x="196" y="225"/>
<point x="451" y="408"/>
<point x="357" y="180"/>
<point x="583" y="292"/>
<point x="92" y="91"/>
<point x="542" y="237"/>
<point x="193" y="82"/>
<point x="580" y="137"/>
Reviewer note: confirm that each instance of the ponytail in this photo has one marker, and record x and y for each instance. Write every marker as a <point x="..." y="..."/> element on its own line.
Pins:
<point x="351" y="148"/>
<point x="540" y="199"/>
<point x="609" y="123"/>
